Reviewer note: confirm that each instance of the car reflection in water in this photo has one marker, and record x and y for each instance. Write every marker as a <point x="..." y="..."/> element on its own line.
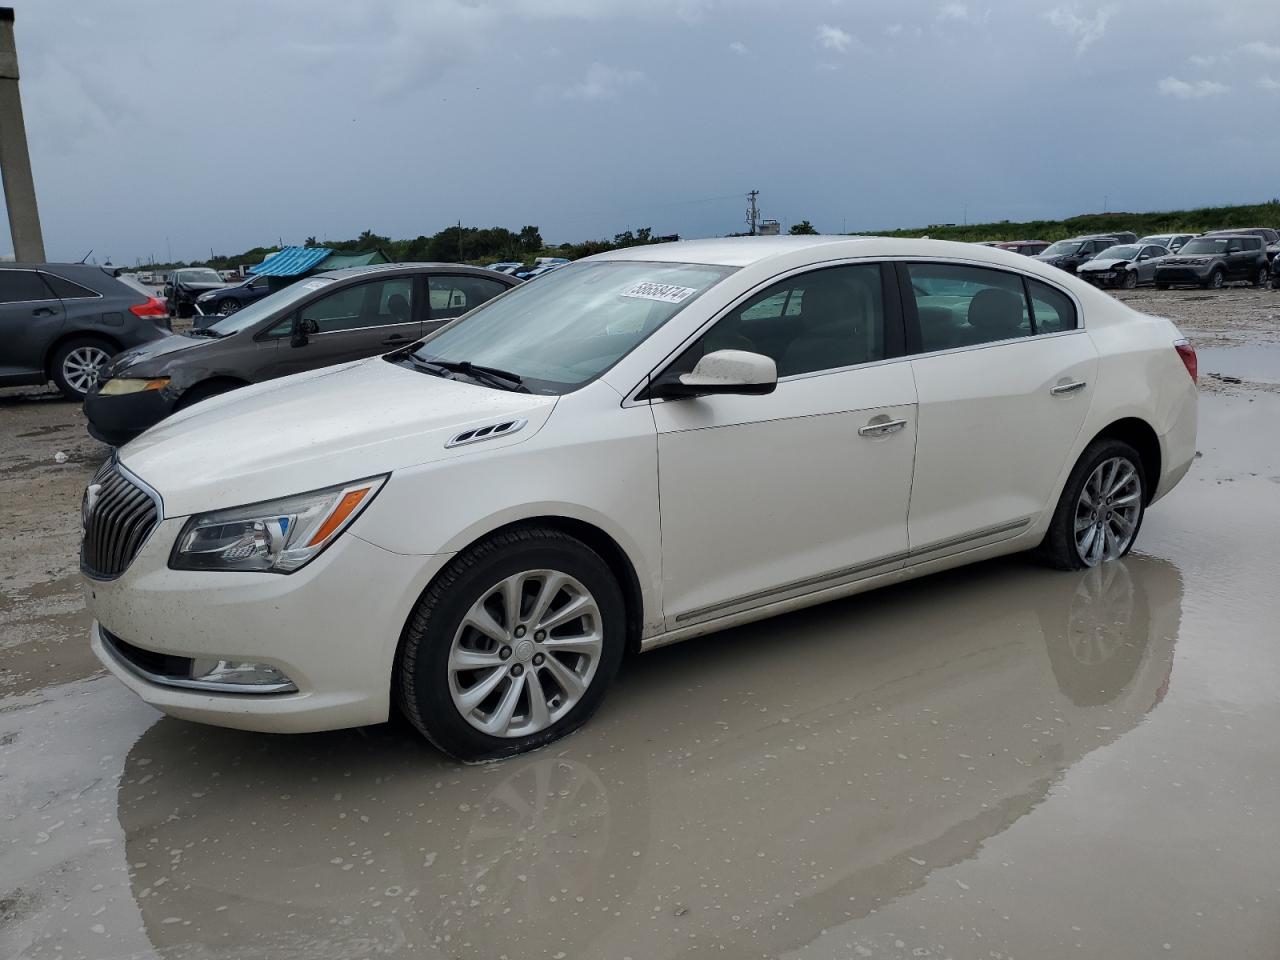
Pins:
<point x="732" y="804"/>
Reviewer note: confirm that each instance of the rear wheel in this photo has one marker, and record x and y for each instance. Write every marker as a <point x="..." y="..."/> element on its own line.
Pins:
<point x="76" y="365"/>
<point x="1264" y="274"/>
<point x="512" y="646"/>
<point x="1101" y="508"/>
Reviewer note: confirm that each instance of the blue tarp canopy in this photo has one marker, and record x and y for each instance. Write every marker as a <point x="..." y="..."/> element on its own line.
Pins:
<point x="291" y="262"/>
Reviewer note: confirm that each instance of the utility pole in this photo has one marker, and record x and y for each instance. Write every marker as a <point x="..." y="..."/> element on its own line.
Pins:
<point x="459" y="241"/>
<point x="753" y="212"/>
<point x="15" y="161"/>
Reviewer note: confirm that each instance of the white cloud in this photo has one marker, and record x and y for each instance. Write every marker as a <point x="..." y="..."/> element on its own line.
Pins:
<point x="1195" y="90"/>
<point x="1085" y="30"/>
<point x="1269" y="83"/>
<point x="954" y="11"/>
<point x="739" y="48"/>
<point x="833" y="38"/>
<point x="603" y="82"/>
<point x="1269" y="50"/>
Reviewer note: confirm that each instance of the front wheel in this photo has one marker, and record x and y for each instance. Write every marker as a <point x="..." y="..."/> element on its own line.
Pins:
<point x="512" y="646"/>
<point x="1101" y="508"/>
<point x="1131" y="280"/>
<point x="1264" y="274"/>
<point x="1215" y="281"/>
<point x="227" y="306"/>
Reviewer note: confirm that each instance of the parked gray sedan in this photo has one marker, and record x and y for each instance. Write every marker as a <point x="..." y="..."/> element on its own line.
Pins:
<point x="326" y="319"/>
<point x="1124" y="265"/>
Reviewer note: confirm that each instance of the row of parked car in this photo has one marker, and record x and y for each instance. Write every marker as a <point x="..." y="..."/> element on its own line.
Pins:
<point x="1123" y="259"/>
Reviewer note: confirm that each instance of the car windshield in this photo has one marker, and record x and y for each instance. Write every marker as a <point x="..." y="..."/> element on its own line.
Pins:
<point x="1125" y="252"/>
<point x="1159" y="239"/>
<point x="268" y="306"/>
<point x="569" y="326"/>
<point x="1205" y="245"/>
<point x="1063" y="248"/>
<point x="199" y="276"/>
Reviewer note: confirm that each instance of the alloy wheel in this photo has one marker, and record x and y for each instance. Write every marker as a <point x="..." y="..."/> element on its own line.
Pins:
<point x="228" y="307"/>
<point x="1216" y="280"/>
<point x="1107" y="511"/>
<point x="1131" y="280"/>
<point x="525" y="653"/>
<point x="81" y="366"/>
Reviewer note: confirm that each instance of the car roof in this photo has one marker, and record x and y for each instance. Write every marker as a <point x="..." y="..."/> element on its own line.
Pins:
<point x="374" y="268"/>
<point x="747" y="251"/>
<point x="50" y="265"/>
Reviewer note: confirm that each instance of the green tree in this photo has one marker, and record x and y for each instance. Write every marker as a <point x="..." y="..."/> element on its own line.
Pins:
<point x="530" y="239"/>
<point x="803" y="228"/>
<point x="311" y="242"/>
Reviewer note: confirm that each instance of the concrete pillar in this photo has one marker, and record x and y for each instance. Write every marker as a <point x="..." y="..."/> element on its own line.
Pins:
<point x="15" y="163"/>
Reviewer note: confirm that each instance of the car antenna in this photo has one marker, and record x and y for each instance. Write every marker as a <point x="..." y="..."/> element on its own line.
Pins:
<point x="87" y="255"/>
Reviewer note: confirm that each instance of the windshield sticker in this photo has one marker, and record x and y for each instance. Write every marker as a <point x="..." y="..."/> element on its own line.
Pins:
<point x="662" y="292"/>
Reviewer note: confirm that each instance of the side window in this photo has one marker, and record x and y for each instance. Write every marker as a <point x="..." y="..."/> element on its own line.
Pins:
<point x="821" y="320"/>
<point x="66" y="290"/>
<point x="1252" y="243"/>
<point x="18" y="286"/>
<point x="376" y="304"/>
<point x="1234" y="245"/>
<point x="961" y="306"/>
<point x="1053" y="309"/>
<point x="452" y="296"/>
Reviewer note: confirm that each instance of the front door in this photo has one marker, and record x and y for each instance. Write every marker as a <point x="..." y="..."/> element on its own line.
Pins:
<point x="361" y="320"/>
<point x="764" y="498"/>
<point x="30" y="320"/>
<point x="1003" y="392"/>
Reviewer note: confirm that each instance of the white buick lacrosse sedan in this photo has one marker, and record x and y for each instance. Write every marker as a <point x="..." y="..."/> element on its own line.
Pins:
<point x="635" y="449"/>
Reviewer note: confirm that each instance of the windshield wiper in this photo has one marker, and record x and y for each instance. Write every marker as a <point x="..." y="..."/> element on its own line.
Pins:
<point x="206" y="332"/>
<point x="493" y="376"/>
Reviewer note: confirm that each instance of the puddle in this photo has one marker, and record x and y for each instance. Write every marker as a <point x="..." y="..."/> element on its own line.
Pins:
<point x="1259" y="362"/>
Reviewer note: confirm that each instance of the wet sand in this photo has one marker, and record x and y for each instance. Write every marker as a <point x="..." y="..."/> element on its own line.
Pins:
<point x="999" y="762"/>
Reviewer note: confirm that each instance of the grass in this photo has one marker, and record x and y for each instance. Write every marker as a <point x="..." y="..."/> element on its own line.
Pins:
<point x="1143" y="224"/>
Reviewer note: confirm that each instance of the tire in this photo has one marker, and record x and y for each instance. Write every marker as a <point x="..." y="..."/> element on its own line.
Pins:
<point x="1215" y="281"/>
<point x="227" y="306"/>
<point x="1060" y="547"/>
<point x="1264" y="275"/>
<point x="506" y="666"/>
<point x="75" y="365"/>
<point x="1131" y="280"/>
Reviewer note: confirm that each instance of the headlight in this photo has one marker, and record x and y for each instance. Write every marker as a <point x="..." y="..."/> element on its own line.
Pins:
<point x="207" y="296"/>
<point x="1199" y="261"/>
<point x="278" y="536"/>
<point x="119" y="387"/>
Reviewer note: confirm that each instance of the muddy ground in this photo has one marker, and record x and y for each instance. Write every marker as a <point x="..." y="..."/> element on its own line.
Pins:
<point x="1000" y="762"/>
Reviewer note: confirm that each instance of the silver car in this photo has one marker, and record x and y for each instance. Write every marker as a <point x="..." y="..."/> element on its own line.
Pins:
<point x="1124" y="265"/>
<point x="1172" y="241"/>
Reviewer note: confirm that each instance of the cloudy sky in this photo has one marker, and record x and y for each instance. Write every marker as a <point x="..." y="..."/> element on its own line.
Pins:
<point x="158" y="126"/>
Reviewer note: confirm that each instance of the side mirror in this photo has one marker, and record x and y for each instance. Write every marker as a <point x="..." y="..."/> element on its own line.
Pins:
<point x="723" y="371"/>
<point x="303" y="330"/>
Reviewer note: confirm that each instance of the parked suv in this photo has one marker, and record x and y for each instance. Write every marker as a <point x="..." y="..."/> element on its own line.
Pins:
<point x="1211" y="261"/>
<point x="220" y="302"/>
<point x="330" y="318"/>
<point x="1269" y="237"/>
<point x="64" y="321"/>
<point x="1068" y="255"/>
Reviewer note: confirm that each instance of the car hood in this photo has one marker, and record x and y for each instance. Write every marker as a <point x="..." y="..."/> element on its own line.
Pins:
<point x="317" y="429"/>
<point x="1102" y="264"/>
<point x="149" y="360"/>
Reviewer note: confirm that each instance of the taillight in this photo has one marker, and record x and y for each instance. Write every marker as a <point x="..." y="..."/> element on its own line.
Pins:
<point x="152" y="308"/>
<point x="1188" y="354"/>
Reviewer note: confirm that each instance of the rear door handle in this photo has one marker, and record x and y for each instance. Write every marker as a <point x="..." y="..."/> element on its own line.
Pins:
<point x="42" y="312"/>
<point x="392" y="341"/>
<point x="1064" y="388"/>
<point x="881" y="428"/>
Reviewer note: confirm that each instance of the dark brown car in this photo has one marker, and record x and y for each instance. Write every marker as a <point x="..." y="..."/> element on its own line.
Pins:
<point x="330" y="318"/>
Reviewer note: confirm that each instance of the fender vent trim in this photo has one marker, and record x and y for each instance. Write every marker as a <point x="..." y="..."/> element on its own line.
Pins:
<point x="487" y="432"/>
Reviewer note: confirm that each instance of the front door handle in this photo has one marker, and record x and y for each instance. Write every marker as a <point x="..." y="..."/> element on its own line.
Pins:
<point x="42" y="312"/>
<point x="881" y="428"/>
<point x="1062" y="389"/>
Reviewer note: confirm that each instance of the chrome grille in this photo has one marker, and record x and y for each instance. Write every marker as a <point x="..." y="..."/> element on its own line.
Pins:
<point x="118" y="518"/>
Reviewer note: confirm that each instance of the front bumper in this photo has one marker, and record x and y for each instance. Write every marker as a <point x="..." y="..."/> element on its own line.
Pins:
<point x="117" y="420"/>
<point x="1103" y="278"/>
<point x="331" y="628"/>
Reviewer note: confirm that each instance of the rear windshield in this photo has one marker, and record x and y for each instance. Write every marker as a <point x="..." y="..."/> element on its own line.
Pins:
<point x="199" y="276"/>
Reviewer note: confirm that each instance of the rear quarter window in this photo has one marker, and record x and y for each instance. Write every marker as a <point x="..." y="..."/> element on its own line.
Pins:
<point x="67" y="289"/>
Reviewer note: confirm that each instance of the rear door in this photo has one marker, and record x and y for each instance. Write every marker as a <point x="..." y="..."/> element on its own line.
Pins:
<point x="1004" y="375"/>
<point x="450" y="295"/>
<point x="359" y="320"/>
<point x="31" y="318"/>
